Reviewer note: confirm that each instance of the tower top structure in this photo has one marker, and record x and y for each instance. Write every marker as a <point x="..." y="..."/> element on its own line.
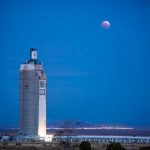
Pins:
<point x="33" y="56"/>
<point x="33" y="53"/>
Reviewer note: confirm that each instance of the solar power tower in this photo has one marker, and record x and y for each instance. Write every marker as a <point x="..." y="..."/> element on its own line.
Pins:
<point x="32" y="97"/>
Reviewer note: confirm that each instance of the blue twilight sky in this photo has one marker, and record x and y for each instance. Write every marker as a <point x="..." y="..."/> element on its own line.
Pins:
<point x="93" y="74"/>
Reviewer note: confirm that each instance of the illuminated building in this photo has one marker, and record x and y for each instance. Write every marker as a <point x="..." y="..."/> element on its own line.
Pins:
<point x="32" y="97"/>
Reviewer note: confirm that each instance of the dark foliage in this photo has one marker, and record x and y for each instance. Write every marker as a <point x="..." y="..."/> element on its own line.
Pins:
<point x="85" y="146"/>
<point x="18" y="144"/>
<point x="145" y="148"/>
<point x="44" y="144"/>
<point x="5" y="143"/>
<point x="115" y="146"/>
<point x="34" y="148"/>
<point x="62" y="143"/>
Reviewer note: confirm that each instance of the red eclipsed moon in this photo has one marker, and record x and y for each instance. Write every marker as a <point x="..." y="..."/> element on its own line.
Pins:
<point x="105" y="24"/>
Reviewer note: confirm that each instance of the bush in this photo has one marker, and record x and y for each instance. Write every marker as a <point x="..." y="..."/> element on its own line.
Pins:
<point x="85" y="146"/>
<point x="5" y="143"/>
<point x="62" y="143"/>
<point x="33" y="148"/>
<point x="18" y="144"/>
<point x="145" y="148"/>
<point x="44" y="144"/>
<point x="104" y="146"/>
<point x="115" y="146"/>
<point x="76" y="145"/>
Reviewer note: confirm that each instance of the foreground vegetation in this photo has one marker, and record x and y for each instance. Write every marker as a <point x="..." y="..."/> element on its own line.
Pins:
<point x="72" y="146"/>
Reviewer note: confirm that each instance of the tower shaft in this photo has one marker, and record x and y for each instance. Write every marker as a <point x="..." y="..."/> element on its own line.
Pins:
<point x="32" y="98"/>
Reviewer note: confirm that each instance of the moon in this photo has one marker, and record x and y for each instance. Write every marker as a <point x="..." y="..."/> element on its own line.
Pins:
<point x="105" y="24"/>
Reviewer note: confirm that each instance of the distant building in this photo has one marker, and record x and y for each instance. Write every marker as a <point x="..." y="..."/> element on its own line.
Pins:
<point x="32" y="97"/>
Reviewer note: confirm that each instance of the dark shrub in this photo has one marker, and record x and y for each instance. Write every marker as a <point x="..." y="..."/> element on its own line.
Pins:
<point x="76" y="145"/>
<point x="85" y="146"/>
<point x="62" y="143"/>
<point x="104" y="146"/>
<point x="5" y="143"/>
<point x="145" y="148"/>
<point x="18" y="144"/>
<point x="33" y="148"/>
<point x="115" y="146"/>
<point x="44" y="144"/>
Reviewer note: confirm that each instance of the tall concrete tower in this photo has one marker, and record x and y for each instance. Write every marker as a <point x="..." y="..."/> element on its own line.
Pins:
<point x="32" y="97"/>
